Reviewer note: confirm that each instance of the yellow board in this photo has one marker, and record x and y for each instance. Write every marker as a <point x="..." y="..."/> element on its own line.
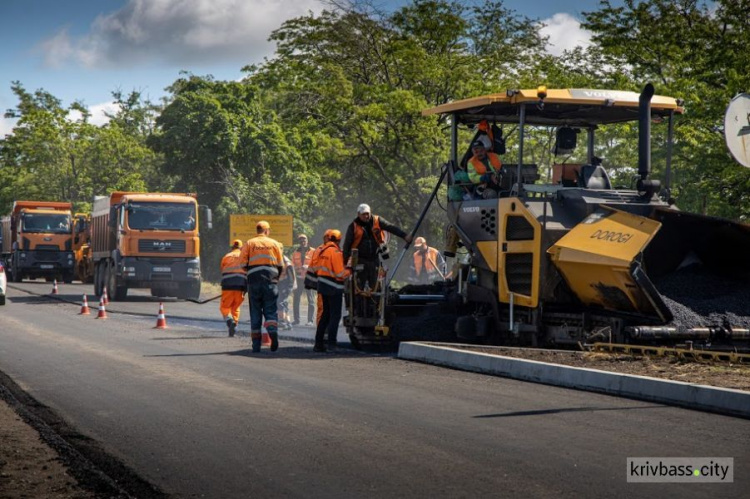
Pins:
<point x="243" y="227"/>
<point x="599" y="260"/>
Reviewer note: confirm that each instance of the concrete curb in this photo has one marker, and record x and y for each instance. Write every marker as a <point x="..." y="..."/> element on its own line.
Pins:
<point x="699" y="397"/>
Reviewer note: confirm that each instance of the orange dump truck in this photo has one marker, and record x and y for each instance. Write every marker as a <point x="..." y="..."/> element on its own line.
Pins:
<point x="147" y="240"/>
<point x="38" y="240"/>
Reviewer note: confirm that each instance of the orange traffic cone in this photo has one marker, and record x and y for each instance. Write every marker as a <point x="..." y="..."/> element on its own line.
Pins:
<point x="105" y="298"/>
<point x="54" y="287"/>
<point x="102" y="311"/>
<point x="85" y="307"/>
<point x="161" y="321"/>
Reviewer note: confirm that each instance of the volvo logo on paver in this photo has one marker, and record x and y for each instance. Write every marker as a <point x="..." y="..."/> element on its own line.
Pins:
<point x="611" y="236"/>
<point x="470" y="209"/>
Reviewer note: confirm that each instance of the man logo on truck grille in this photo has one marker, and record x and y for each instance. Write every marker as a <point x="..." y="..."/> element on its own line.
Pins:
<point x="161" y="245"/>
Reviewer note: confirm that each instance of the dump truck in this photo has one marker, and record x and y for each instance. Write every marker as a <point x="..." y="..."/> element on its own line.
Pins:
<point x="38" y="242"/>
<point x="147" y="240"/>
<point x="84" y="267"/>
<point x="574" y="258"/>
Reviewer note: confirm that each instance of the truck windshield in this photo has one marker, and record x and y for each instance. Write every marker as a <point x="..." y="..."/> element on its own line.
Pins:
<point x="47" y="222"/>
<point x="161" y="216"/>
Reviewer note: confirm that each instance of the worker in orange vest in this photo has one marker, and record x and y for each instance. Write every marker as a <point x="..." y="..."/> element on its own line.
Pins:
<point x="233" y="286"/>
<point x="331" y="271"/>
<point x="484" y="168"/>
<point x="366" y="235"/>
<point x="264" y="261"/>
<point x="311" y="277"/>
<point x="301" y="259"/>
<point x="428" y="264"/>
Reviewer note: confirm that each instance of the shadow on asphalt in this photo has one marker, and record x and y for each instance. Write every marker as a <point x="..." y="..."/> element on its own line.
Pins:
<point x="266" y="354"/>
<point x="569" y="409"/>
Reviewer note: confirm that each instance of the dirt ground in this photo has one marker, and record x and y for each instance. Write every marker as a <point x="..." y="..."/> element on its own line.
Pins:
<point x="719" y="374"/>
<point x="29" y="468"/>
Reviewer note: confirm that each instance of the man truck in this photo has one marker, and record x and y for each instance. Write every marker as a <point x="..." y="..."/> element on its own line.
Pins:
<point x="147" y="240"/>
<point x="38" y="241"/>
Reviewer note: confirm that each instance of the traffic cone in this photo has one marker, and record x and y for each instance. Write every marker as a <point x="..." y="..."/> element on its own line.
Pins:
<point x="85" y="307"/>
<point x="105" y="298"/>
<point x="265" y="339"/>
<point x="54" y="287"/>
<point x="102" y="311"/>
<point x="161" y="321"/>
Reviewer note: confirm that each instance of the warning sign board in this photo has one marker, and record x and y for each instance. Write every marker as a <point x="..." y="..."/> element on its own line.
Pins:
<point x="243" y="227"/>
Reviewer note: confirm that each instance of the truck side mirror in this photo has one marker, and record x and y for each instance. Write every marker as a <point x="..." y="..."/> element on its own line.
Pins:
<point x="208" y="216"/>
<point x="112" y="217"/>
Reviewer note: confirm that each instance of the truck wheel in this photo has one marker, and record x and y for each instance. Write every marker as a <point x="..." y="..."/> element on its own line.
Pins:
<point x="121" y="292"/>
<point x="68" y="277"/>
<point x="2" y="300"/>
<point x="97" y="281"/>
<point x="193" y="291"/>
<point x="15" y="273"/>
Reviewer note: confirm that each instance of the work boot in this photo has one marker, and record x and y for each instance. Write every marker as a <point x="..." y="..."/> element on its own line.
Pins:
<point x="255" y="338"/>
<point x="232" y="327"/>
<point x="332" y="346"/>
<point x="274" y="341"/>
<point x="320" y="348"/>
<point x="296" y="322"/>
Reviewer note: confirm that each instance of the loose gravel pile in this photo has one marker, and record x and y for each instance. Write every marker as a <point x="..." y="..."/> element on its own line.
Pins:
<point x="700" y="298"/>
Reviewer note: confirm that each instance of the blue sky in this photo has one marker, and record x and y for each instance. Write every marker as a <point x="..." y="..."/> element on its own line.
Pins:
<point x="85" y="49"/>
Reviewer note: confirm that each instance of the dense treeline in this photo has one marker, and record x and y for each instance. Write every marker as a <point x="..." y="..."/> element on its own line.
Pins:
<point x="333" y="119"/>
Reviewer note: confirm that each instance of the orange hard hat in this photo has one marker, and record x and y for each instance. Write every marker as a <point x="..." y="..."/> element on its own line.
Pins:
<point x="237" y="243"/>
<point x="420" y="241"/>
<point x="334" y="235"/>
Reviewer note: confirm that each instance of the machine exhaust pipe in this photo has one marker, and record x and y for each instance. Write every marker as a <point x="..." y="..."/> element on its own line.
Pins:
<point x="645" y="186"/>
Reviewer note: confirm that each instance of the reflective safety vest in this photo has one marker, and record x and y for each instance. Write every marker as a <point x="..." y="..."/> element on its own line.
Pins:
<point x="479" y="167"/>
<point x="263" y="258"/>
<point x="300" y="266"/>
<point x="331" y="270"/>
<point x="377" y="232"/>
<point x="311" y="275"/>
<point x="429" y="263"/>
<point x="233" y="272"/>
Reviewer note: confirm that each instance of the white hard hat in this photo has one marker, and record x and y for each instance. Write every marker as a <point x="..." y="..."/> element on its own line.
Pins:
<point x="363" y="208"/>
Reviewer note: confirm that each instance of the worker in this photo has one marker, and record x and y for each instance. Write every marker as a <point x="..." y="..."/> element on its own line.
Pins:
<point x="301" y="260"/>
<point x="233" y="286"/>
<point x="264" y="262"/>
<point x="311" y="277"/>
<point x="484" y="169"/>
<point x="428" y="264"/>
<point x="287" y="285"/>
<point x="331" y="272"/>
<point x="365" y="234"/>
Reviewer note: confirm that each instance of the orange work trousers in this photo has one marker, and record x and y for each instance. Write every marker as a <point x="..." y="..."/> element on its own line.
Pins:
<point x="231" y="301"/>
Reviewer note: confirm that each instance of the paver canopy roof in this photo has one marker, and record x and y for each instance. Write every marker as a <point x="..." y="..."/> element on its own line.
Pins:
<point x="573" y="107"/>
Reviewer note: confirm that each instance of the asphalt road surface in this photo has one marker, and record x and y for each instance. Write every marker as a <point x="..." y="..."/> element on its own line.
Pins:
<point x="198" y="415"/>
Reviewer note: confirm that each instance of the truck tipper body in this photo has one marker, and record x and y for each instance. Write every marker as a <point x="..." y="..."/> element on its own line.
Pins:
<point x="38" y="240"/>
<point x="146" y="240"/>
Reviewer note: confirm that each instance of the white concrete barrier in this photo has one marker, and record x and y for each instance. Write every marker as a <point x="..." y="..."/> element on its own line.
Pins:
<point x="691" y="396"/>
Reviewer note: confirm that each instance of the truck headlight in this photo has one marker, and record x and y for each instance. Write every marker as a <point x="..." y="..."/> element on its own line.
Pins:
<point x="129" y="269"/>
<point x="194" y="271"/>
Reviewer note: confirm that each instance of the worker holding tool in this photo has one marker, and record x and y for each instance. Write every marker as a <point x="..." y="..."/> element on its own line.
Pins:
<point x="233" y="286"/>
<point x="428" y="264"/>
<point x="484" y="170"/>
<point x="301" y="260"/>
<point x="331" y="272"/>
<point x="366" y="234"/>
<point x="263" y="259"/>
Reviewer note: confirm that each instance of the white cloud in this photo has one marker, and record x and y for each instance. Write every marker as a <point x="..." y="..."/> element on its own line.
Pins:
<point x="98" y="116"/>
<point x="177" y="32"/>
<point x="6" y="126"/>
<point x="565" y="33"/>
